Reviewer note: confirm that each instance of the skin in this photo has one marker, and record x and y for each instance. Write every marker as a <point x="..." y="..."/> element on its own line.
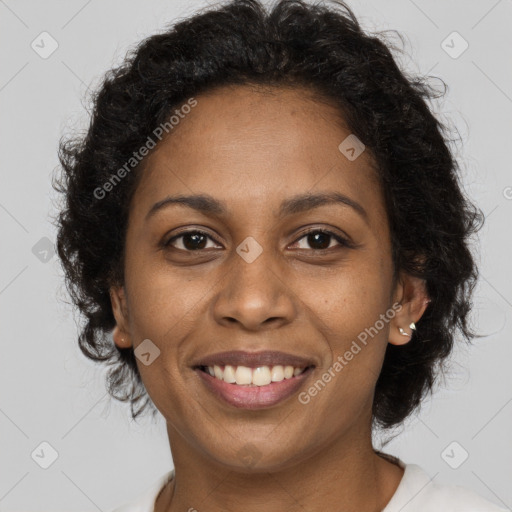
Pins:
<point x="252" y="149"/>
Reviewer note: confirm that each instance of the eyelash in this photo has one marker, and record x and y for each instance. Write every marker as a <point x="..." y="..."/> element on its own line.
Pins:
<point x="342" y="241"/>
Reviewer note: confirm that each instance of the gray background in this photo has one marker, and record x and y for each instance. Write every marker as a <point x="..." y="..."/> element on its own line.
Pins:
<point x="51" y="393"/>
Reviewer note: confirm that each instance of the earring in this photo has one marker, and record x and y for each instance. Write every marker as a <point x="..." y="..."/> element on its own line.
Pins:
<point x="402" y="332"/>
<point x="412" y="325"/>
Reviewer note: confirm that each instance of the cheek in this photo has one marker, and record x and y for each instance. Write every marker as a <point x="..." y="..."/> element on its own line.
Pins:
<point x="354" y="322"/>
<point x="352" y="301"/>
<point x="162" y="310"/>
<point x="160" y="302"/>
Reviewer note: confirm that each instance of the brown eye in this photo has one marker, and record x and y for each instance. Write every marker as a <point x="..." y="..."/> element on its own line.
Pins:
<point x="189" y="241"/>
<point x="319" y="240"/>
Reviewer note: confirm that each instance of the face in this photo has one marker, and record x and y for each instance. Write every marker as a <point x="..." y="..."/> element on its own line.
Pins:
<point x="256" y="267"/>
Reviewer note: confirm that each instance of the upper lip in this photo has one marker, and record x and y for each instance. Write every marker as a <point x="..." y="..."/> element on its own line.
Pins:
<point x="254" y="359"/>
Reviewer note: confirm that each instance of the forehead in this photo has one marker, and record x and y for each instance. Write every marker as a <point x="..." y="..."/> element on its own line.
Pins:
<point x="243" y="144"/>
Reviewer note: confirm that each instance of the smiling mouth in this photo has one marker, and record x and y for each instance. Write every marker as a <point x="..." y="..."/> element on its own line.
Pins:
<point x="261" y="387"/>
<point x="253" y="377"/>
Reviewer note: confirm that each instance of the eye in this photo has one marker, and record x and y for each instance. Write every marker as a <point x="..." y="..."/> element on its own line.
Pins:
<point x="320" y="239"/>
<point x="193" y="240"/>
<point x="197" y="240"/>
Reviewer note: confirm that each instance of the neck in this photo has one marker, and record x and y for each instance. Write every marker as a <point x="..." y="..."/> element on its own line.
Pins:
<point x="343" y="476"/>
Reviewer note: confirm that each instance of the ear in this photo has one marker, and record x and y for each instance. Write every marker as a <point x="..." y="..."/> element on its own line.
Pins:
<point x="121" y="333"/>
<point x="411" y="294"/>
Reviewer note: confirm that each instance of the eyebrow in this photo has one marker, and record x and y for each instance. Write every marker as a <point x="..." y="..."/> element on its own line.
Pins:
<point x="207" y="204"/>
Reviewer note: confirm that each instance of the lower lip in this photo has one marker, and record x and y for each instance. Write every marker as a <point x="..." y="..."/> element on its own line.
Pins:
<point x="254" y="397"/>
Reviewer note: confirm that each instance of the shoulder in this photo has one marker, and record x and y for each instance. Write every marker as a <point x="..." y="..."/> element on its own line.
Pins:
<point x="419" y="493"/>
<point x="145" y="502"/>
<point x="455" y="498"/>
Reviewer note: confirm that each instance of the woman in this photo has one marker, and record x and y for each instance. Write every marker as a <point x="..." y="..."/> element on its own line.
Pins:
<point x="265" y="231"/>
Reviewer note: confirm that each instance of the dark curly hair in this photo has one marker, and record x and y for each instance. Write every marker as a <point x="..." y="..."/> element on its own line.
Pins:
<point x="290" y="44"/>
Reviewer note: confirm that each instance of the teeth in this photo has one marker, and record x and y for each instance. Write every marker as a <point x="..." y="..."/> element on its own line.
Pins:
<point x="277" y="373"/>
<point x="288" y="372"/>
<point x="217" y="372"/>
<point x="261" y="376"/>
<point x="243" y="375"/>
<point x="229" y="374"/>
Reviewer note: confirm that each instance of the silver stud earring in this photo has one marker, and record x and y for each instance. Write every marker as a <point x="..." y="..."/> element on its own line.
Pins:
<point x="402" y="332"/>
<point x="412" y="325"/>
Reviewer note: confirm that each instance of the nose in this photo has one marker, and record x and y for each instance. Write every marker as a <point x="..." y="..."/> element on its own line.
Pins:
<point x="254" y="295"/>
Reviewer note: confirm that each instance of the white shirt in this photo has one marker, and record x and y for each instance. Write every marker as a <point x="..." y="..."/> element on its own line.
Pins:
<point x="415" y="493"/>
